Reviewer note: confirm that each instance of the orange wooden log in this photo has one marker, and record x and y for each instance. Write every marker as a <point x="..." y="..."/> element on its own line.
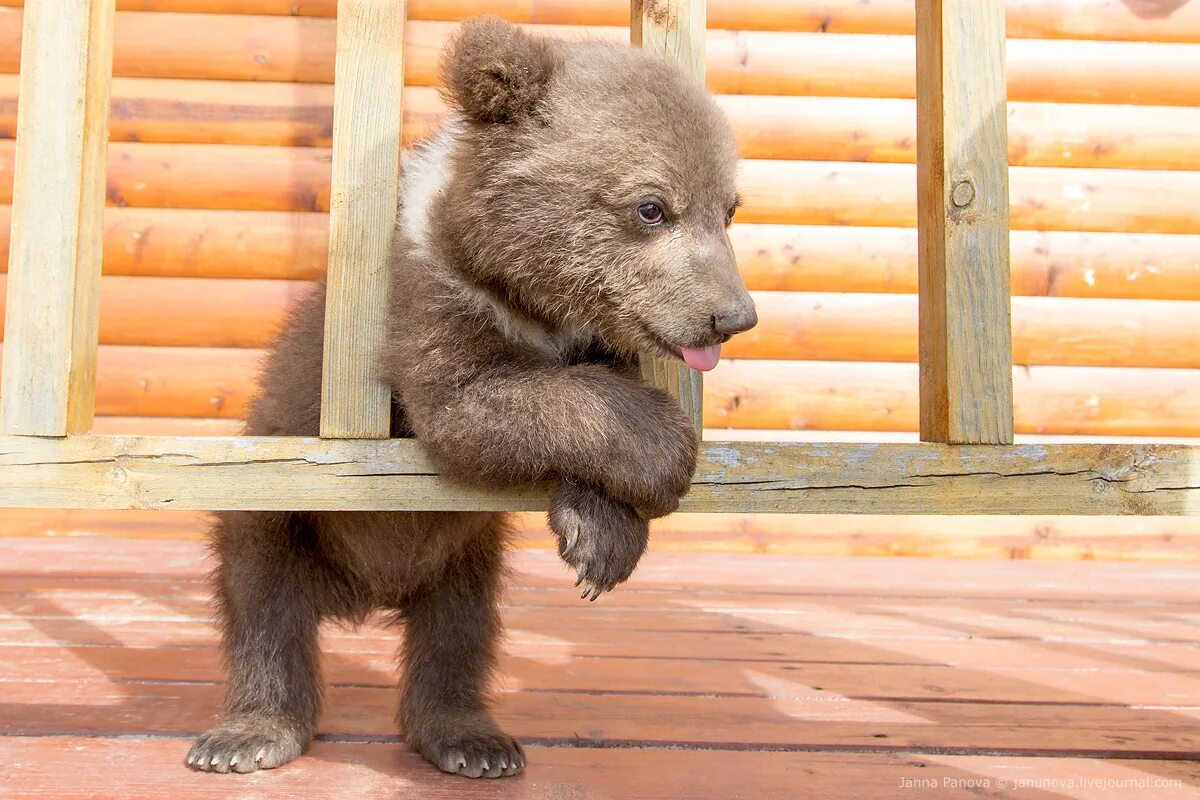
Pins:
<point x="816" y="395"/>
<point x="291" y="246"/>
<point x="1065" y="264"/>
<point x="277" y="48"/>
<point x="1163" y="539"/>
<point x="802" y="128"/>
<point x="170" y="426"/>
<point x="206" y="312"/>
<point x="1043" y="198"/>
<point x="193" y="312"/>
<point x="1035" y="19"/>
<point x="822" y="395"/>
<point x="1063" y="331"/>
<point x="174" y="381"/>
<point x="214" y="244"/>
<point x="779" y="192"/>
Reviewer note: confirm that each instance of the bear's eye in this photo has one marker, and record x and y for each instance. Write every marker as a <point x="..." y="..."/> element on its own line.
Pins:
<point x="650" y="213"/>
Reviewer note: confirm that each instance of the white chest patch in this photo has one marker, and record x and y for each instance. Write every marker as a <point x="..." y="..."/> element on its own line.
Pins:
<point x="426" y="171"/>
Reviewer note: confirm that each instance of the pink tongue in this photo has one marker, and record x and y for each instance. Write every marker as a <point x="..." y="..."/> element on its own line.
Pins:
<point x="702" y="358"/>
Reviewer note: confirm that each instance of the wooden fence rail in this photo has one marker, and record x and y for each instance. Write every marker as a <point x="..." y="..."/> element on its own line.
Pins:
<point x="961" y="211"/>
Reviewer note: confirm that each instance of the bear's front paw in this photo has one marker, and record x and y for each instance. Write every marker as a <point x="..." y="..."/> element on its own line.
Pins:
<point x="602" y="538"/>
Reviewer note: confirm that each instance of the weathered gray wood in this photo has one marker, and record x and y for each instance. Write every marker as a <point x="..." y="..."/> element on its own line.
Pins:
<point x="57" y="233"/>
<point x="363" y="203"/>
<point x="673" y="29"/>
<point x="962" y="218"/>
<point x="306" y="473"/>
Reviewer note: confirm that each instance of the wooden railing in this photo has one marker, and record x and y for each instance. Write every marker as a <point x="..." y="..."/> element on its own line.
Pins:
<point x="966" y="463"/>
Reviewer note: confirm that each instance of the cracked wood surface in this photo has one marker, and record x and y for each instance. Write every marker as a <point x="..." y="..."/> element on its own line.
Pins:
<point x="121" y="472"/>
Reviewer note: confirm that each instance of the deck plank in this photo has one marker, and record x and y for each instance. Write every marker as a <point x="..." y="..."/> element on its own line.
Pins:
<point x="723" y="572"/>
<point x="705" y="677"/>
<point x="65" y="768"/>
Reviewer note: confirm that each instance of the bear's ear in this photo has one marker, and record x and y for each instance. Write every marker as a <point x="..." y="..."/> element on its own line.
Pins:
<point x="496" y="72"/>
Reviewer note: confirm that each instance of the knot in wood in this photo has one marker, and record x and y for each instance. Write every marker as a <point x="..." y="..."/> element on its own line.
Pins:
<point x="963" y="194"/>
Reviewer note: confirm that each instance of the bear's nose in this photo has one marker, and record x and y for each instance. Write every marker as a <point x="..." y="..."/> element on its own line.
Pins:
<point x="735" y="320"/>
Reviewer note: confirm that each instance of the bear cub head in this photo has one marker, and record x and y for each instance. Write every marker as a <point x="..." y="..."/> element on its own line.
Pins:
<point x="588" y="187"/>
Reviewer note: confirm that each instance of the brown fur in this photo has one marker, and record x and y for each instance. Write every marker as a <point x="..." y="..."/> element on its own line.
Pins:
<point x="515" y="320"/>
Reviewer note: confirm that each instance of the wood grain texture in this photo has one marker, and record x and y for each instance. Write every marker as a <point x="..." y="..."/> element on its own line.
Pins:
<point x="802" y="128"/>
<point x="1044" y="263"/>
<point x="776" y="191"/>
<point x="364" y="203"/>
<point x="285" y="245"/>
<point x="1031" y="537"/>
<point x="841" y="395"/>
<point x="758" y="677"/>
<point x="208" y="383"/>
<point x="1139" y="20"/>
<point x="300" y="473"/>
<point x="58" y="197"/>
<point x="820" y="326"/>
<point x="963" y="223"/>
<point x="287" y="48"/>
<point x="675" y="30"/>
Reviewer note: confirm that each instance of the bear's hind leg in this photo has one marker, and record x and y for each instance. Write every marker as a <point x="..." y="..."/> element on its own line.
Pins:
<point x="264" y="589"/>
<point x="451" y="632"/>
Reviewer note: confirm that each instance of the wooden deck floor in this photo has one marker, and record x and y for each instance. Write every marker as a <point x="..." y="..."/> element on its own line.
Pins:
<point x="708" y="676"/>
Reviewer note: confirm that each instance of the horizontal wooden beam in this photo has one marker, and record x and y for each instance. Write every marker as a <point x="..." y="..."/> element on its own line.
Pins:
<point x="291" y="48"/>
<point x="123" y="472"/>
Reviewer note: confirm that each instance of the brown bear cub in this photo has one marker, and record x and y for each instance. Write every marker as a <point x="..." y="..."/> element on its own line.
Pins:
<point x="571" y="212"/>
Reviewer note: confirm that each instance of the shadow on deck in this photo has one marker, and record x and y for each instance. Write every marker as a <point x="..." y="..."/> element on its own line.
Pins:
<point x="708" y="676"/>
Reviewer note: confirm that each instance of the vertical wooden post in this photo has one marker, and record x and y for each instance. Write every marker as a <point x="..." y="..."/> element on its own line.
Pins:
<point x="57" y="228"/>
<point x="673" y="29"/>
<point x="962" y="174"/>
<point x="364" y="200"/>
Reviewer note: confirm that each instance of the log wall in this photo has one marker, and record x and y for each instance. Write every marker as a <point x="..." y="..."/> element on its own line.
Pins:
<point x="218" y="190"/>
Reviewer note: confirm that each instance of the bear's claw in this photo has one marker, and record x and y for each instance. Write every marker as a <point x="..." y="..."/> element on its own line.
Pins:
<point x="601" y="537"/>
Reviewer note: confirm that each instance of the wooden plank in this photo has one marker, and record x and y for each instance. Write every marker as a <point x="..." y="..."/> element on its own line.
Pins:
<point x="286" y="48"/>
<point x="962" y="209"/>
<point x="302" y="473"/>
<point x="1050" y="538"/>
<point x="848" y="259"/>
<point x="799" y="722"/>
<point x="845" y="395"/>
<point x="210" y="383"/>
<point x="58" y="199"/>
<point x="364" y="203"/>
<point x="1138" y="20"/>
<point x="248" y="177"/>
<point x="802" y="128"/>
<point x="699" y="581"/>
<point x="809" y="396"/>
<point x="673" y="29"/>
<point x="62" y="766"/>
<point x="609" y="676"/>
<point x="294" y="246"/>
<point x="821" y="326"/>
